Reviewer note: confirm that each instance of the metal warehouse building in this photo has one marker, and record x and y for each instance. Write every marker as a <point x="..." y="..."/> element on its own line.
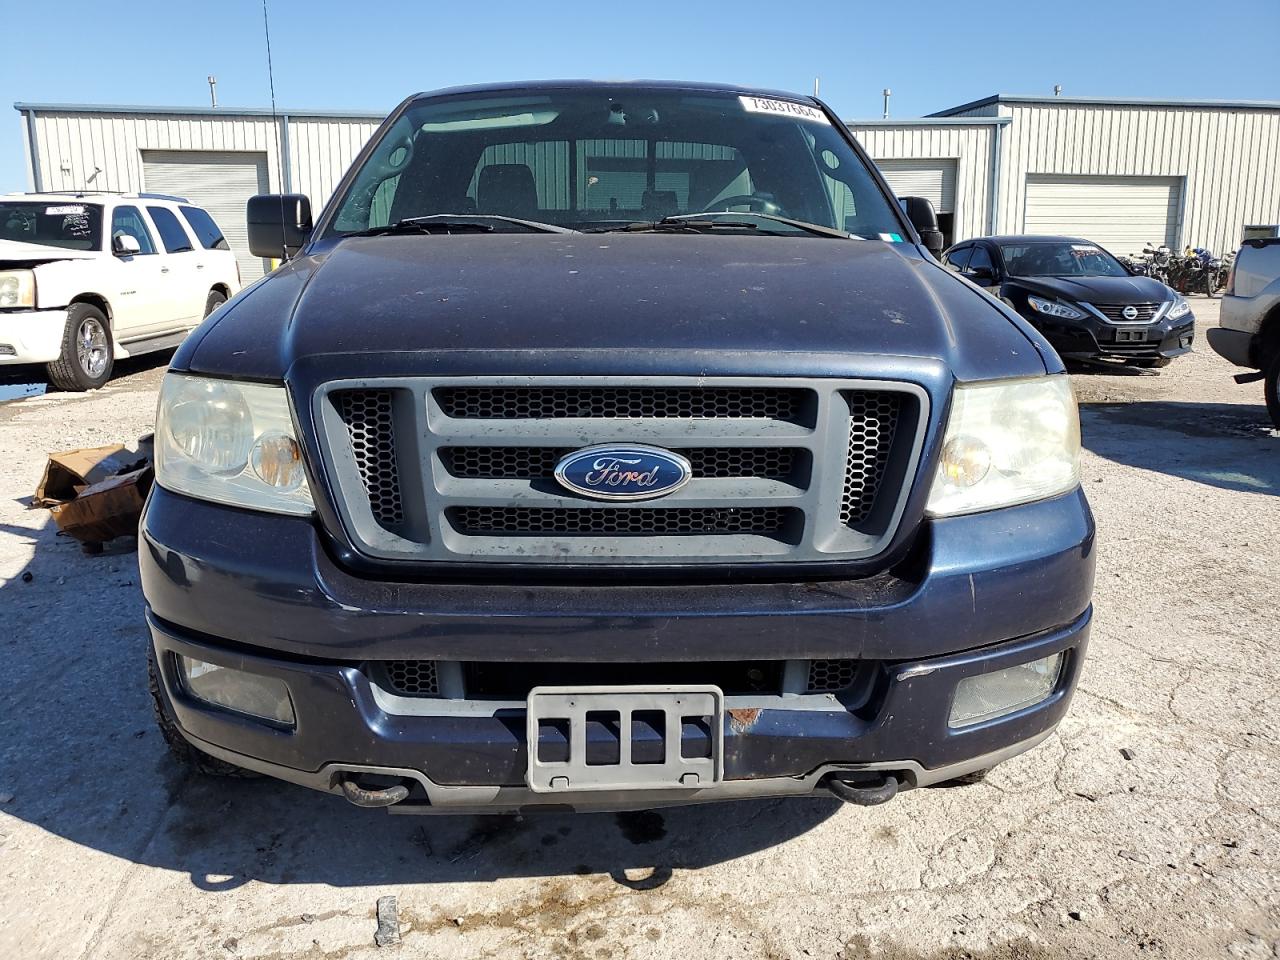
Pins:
<point x="1122" y="172"/>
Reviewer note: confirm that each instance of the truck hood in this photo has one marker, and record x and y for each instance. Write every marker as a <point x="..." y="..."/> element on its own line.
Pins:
<point x="1099" y="289"/>
<point x="16" y="253"/>
<point x="610" y="303"/>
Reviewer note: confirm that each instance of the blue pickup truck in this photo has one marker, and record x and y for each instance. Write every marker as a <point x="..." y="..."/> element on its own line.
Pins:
<point x="610" y="446"/>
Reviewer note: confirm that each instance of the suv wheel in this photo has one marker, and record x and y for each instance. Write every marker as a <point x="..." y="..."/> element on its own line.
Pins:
<point x="178" y="746"/>
<point x="214" y="301"/>
<point x="87" y="354"/>
<point x="1272" y="388"/>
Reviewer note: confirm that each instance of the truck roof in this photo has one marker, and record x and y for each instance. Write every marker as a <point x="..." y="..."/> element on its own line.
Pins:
<point x="99" y="195"/>
<point x="532" y="86"/>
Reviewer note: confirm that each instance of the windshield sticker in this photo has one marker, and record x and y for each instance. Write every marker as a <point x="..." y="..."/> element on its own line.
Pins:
<point x="784" y="108"/>
<point x="55" y="211"/>
<point x="1084" y="249"/>
<point x="891" y="237"/>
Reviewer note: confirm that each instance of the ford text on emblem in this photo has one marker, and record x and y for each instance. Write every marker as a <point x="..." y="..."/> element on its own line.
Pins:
<point x="1130" y="313"/>
<point x="620" y="472"/>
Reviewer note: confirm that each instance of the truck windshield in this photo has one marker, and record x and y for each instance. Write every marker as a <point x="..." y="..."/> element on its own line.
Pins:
<point x="1060" y="259"/>
<point x="73" y="226"/>
<point x="616" y="155"/>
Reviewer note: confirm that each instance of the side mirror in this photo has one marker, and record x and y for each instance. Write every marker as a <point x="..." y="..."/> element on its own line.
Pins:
<point x="920" y="212"/>
<point x="982" y="275"/>
<point x="123" y="245"/>
<point x="279" y="224"/>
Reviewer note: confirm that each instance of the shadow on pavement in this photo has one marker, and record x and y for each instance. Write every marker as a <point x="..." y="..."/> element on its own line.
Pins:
<point x="1225" y="445"/>
<point x="82" y="759"/>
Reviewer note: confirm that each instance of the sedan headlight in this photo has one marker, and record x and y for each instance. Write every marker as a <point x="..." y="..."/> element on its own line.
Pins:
<point x="230" y="442"/>
<point x="1007" y="443"/>
<point x="1052" y="308"/>
<point x="1180" y="307"/>
<point x="17" y="288"/>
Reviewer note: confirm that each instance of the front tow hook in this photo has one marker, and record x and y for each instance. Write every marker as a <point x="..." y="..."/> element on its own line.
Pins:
<point x="373" y="798"/>
<point x="865" y="794"/>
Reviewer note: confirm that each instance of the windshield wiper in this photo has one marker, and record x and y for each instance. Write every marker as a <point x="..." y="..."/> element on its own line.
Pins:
<point x="448" y="223"/>
<point x="703" y="221"/>
<point x="675" y="225"/>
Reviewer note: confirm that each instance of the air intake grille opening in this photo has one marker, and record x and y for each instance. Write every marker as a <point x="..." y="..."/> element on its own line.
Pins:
<point x="536" y="463"/>
<point x="413" y="678"/>
<point x="371" y="427"/>
<point x="550" y="403"/>
<point x="828" y="676"/>
<point x="873" y="420"/>
<point x="615" y="521"/>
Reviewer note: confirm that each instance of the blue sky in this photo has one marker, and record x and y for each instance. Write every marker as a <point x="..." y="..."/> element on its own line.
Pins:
<point x="370" y="55"/>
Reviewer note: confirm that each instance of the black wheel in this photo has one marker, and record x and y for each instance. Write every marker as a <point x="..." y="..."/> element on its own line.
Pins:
<point x="1272" y="388"/>
<point x="1210" y="283"/>
<point x="178" y="746"/>
<point x="87" y="355"/>
<point x="214" y="301"/>
<point x="1152" y="363"/>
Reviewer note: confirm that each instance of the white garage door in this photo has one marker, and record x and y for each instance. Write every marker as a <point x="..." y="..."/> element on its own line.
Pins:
<point x="935" y="180"/>
<point x="222" y="183"/>
<point x="1123" y="214"/>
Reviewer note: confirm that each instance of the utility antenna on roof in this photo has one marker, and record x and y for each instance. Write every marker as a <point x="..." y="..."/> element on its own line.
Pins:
<point x="1057" y="89"/>
<point x="887" y="93"/>
<point x="815" y="86"/>
<point x="275" y="123"/>
<point x="213" y="91"/>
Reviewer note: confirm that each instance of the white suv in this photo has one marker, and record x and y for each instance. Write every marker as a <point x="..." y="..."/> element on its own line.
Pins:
<point x="86" y="278"/>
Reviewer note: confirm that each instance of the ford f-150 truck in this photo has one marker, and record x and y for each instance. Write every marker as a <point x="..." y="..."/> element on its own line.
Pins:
<point x="606" y="446"/>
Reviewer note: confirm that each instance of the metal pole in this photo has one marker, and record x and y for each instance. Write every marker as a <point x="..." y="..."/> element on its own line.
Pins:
<point x="213" y="91"/>
<point x="815" y="86"/>
<point x="887" y="94"/>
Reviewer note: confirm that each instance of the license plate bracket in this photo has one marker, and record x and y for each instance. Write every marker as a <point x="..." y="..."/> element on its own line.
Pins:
<point x="630" y="711"/>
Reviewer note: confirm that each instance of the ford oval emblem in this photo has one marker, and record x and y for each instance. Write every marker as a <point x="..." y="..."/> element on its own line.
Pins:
<point x="623" y="472"/>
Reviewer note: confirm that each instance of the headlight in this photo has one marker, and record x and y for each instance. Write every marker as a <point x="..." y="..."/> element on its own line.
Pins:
<point x="1052" y="308"/>
<point x="1180" y="307"/>
<point x="1007" y="443"/>
<point x="230" y="442"/>
<point x="17" y="288"/>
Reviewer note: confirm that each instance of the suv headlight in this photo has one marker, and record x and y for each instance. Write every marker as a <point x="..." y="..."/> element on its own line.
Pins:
<point x="17" y="288"/>
<point x="1007" y="443"/>
<point x="230" y="442"/>
<point x="1180" y="307"/>
<point x="1052" y="308"/>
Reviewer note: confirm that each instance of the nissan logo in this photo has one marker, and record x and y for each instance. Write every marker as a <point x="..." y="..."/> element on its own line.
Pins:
<point x="1130" y="312"/>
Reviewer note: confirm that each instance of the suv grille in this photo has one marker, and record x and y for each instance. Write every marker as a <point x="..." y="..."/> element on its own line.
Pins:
<point x="463" y="469"/>
<point x="1115" y="311"/>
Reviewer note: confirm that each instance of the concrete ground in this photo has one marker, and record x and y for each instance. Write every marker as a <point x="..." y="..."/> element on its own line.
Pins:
<point x="1149" y="826"/>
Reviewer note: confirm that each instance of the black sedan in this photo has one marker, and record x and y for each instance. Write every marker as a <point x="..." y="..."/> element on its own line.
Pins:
<point x="1085" y="302"/>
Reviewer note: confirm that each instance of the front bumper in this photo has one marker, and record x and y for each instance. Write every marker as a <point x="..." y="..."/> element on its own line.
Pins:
<point x="987" y="591"/>
<point x="1091" y="338"/>
<point x="31" y="336"/>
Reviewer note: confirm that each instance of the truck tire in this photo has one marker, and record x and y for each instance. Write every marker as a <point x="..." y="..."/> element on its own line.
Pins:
<point x="87" y="353"/>
<point x="1272" y="388"/>
<point x="214" y="301"/>
<point x="178" y="746"/>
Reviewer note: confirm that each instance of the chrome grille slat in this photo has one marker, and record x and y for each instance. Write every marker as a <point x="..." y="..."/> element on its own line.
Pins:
<point x="765" y="488"/>
<point x="1115" y="311"/>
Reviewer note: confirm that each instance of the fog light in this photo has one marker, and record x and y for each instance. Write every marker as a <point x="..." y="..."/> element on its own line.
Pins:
<point x="263" y="697"/>
<point x="1004" y="691"/>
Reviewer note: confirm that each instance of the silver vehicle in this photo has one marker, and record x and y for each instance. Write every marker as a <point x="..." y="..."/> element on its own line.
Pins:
<point x="1249" y="330"/>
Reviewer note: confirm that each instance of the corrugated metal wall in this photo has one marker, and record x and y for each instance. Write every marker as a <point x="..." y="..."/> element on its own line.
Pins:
<point x="1227" y="157"/>
<point x="320" y="151"/>
<point x="73" y="145"/>
<point x="968" y="146"/>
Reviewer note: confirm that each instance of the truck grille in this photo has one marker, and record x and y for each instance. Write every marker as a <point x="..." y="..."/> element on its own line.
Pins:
<point x="632" y="403"/>
<point x="463" y="469"/>
<point x="539" y="463"/>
